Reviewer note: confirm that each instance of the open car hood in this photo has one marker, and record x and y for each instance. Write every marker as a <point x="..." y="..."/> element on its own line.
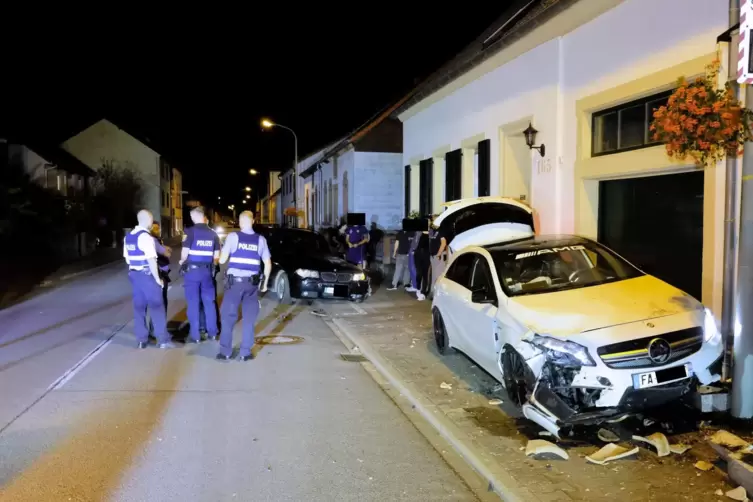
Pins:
<point x="481" y="221"/>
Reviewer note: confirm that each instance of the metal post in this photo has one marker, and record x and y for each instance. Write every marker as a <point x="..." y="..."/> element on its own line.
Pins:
<point x="295" y="176"/>
<point x="731" y="215"/>
<point x="741" y="399"/>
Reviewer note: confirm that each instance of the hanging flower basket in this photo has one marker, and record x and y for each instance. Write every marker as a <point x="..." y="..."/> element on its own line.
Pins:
<point x="701" y="121"/>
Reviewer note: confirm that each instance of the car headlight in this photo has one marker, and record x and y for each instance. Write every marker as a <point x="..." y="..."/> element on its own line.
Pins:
<point x="564" y="352"/>
<point x="710" y="330"/>
<point x="359" y="277"/>
<point x="307" y="274"/>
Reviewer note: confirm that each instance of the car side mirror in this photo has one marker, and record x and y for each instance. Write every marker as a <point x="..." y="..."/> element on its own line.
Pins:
<point x="481" y="296"/>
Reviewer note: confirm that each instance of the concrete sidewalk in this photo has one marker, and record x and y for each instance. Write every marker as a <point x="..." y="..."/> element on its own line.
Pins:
<point x="394" y="331"/>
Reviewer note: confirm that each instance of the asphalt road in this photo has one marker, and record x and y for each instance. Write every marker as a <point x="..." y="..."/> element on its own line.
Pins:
<point x="297" y="423"/>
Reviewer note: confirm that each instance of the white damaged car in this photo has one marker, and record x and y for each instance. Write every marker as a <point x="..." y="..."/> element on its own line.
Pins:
<point x="575" y="333"/>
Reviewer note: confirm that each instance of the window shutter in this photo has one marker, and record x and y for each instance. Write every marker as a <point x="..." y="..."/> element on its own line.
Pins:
<point x="484" y="168"/>
<point x="425" y="187"/>
<point x="453" y="163"/>
<point x="406" y="195"/>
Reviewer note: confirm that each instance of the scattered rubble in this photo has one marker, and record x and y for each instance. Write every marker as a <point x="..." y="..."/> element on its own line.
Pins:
<point x="495" y="402"/>
<point x="738" y="494"/>
<point x="608" y="436"/>
<point x="658" y="441"/>
<point x="704" y="466"/>
<point x="540" y="447"/>
<point x="445" y="385"/>
<point x="609" y="453"/>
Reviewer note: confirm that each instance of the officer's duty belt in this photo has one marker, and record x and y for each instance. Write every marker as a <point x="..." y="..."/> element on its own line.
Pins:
<point x="253" y="279"/>
<point x="194" y="266"/>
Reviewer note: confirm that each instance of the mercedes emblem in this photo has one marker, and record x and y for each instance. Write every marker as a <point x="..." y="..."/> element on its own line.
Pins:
<point x="659" y="350"/>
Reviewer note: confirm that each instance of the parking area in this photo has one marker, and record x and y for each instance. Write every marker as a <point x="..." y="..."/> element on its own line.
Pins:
<point x="398" y="328"/>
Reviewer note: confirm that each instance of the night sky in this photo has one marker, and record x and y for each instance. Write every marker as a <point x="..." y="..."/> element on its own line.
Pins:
<point x="198" y="89"/>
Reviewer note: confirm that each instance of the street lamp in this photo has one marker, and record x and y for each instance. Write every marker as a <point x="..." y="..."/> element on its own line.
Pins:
<point x="253" y="171"/>
<point x="268" y="124"/>
<point x="248" y="189"/>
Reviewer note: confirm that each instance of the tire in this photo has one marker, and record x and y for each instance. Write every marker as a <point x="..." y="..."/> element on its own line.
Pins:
<point x="517" y="376"/>
<point x="440" y="333"/>
<point x="282" y="288"/>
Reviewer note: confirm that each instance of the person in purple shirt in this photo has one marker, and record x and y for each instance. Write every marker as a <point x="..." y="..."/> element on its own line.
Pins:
<point x="357" y="237"/>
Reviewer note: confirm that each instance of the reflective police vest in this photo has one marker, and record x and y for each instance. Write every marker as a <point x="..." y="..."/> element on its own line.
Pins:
<point x="202" y="247"/>
<point x="246" y="256"/>
<point x="136" y="257"/>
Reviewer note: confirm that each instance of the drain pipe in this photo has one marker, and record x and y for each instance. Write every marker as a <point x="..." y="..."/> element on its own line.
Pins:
<point x="731" y="214"/>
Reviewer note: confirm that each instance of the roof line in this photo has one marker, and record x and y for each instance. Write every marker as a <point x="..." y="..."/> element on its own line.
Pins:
<point x="358" y="133"/>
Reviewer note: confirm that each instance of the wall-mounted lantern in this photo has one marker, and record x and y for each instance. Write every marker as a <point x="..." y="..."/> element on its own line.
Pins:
<point x="530" y="134"/>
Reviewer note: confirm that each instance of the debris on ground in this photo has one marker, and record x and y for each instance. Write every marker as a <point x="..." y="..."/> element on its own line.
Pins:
<point x="608" y="436"/>
<point x="679" y="449"/>
<point x="319" y="312"/>
<point x="724" y="438"/>
<point x="540" y="447"/>
<point x="658" y="441"/>
<point x="445" y="385"/>
<point x="738" y="494"/>
<point x="495" y="402"/>
<point x="704" y="466"/>
<point x="609" y="453"/>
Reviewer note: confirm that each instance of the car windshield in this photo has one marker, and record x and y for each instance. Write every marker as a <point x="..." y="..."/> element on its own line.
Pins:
<point x="534" y="269"/>
<point x="298" y="241"/>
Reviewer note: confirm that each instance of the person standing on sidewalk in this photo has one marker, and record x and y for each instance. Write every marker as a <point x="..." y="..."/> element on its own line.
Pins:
<point x="400" y="255"/>
<point x="244" y="252"/>
<point x="201" y="250"/>
<point x="437" y="251"/>
<point x="141" y="256"/>
<point x="421" y="258"/>
<point x="357" y="238"/>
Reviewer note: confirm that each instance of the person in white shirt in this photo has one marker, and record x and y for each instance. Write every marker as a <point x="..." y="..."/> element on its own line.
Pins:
<point x="141" y="256"/>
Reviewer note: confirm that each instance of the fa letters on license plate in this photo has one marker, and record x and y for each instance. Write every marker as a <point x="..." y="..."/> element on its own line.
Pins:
<point x="647" y="380"/>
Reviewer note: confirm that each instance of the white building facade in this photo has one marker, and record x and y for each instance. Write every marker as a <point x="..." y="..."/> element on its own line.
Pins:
<point x="106" y="142"/>
<point x="362" y="173"/>
<point x="587" y="79"/>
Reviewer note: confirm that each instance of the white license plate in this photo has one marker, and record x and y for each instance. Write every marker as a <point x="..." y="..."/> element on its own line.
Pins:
<point x="667" y="375"/>
<point x="329" y="291"/>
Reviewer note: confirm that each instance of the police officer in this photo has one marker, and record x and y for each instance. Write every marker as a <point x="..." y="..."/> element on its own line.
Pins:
<point x="163" y="263"/>
<point x="244" y="251"/>
<point x="140" y="254"/>
<point x="201" y="250"/>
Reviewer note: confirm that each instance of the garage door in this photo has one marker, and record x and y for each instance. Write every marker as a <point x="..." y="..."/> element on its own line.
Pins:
<point x="657" y="223"/>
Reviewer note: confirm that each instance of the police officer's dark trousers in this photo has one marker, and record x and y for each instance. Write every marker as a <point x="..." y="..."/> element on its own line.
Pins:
<point x="240" y="292"/>
<point x="147" y="294"/>
<point x="199" y="290"/>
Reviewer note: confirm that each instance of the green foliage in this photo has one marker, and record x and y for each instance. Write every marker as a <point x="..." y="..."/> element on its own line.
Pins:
<point x="414" y="215"/>
<point x="31" y="217"/>
<point x="117" y="194"/>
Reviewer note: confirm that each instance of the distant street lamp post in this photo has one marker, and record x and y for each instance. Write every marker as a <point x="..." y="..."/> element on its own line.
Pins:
<point x="253" y="172"/>
<point x="268" y="124"/>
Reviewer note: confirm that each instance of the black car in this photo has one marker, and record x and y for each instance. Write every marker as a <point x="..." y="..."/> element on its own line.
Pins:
<point x="304" y="266"/>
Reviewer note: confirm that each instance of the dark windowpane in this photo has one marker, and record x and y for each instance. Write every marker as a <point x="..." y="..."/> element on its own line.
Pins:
<point x="632" y="126"/>
<point x="605" y="133"/>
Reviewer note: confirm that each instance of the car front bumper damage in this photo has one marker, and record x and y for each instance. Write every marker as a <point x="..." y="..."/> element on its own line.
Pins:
<point x="562" y="397"/>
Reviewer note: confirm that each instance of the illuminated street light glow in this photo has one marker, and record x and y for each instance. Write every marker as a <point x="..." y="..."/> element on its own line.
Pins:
<point x="266" y="123"/>
<point x="248" y="189"/>
<point x="253" y="171"/>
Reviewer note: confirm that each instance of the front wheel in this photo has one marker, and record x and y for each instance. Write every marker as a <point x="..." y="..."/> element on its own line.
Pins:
<point x="282" y="288"/>
<point x="517" y="375"/>
<point x="440" y="333"/>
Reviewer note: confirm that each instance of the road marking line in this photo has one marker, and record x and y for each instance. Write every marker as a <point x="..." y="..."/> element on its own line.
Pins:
<point x="357" y="308"/>
<point x="66" y="377"/>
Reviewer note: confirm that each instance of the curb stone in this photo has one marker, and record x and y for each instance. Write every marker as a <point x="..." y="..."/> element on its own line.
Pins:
<point x="499" y="482"/>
